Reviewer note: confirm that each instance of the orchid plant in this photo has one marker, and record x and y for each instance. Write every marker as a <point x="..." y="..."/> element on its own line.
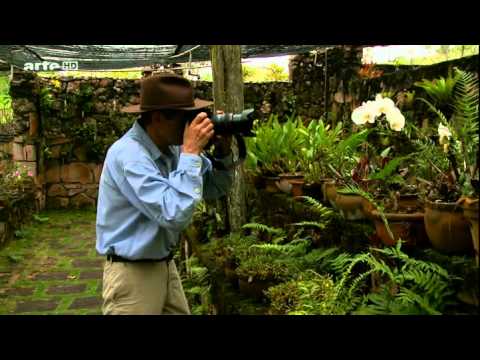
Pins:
<point x="380" y="170"/>
<point x="457" y="172"/>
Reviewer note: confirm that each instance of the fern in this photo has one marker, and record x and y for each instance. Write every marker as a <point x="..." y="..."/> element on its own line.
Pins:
<point x="263" y="228"/>
<point x="318" y="207"/>
<point x="295" y="248"/>
<point x="440" y="90"/>
<point x="321" y="258"/>
<point x="466" y="116"/>
<point x="464" y="127"/>
<point x="422" y="286"/>
<point x="355" y="190"/>
<point x="316" y="224"/>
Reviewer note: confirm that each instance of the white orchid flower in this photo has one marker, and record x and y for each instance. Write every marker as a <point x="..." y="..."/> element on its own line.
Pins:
<point x="396" y="119"/>
<point x="362" y="115"/>
<point x="384" y="105"/>
<point x="444" y="134"/>
<point x="372" y="107"/>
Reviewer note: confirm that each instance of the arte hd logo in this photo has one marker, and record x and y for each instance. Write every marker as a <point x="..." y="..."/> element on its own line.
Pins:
<point x="51" y="66"/>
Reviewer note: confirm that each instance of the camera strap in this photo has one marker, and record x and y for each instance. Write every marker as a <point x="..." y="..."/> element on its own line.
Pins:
<point x="242" y="154"/>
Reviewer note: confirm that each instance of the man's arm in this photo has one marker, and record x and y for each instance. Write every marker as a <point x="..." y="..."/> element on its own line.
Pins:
<point x="168" y="201"/>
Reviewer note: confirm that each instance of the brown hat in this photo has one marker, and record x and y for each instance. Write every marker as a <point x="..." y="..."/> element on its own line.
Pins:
<point x="166" y="91"/>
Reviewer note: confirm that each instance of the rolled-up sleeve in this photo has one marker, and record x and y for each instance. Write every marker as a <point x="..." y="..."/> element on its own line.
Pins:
<point x="168" y="201"/>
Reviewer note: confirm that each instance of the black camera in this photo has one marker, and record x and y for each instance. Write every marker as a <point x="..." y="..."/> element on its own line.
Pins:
<point x="229" y="123"/>
<point x="236" y="124"/>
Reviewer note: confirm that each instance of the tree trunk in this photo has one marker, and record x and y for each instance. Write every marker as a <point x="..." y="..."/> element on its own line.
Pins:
<point x="228" y="96"/>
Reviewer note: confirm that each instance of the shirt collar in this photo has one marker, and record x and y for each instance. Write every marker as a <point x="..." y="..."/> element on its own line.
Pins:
<point x="138" y="133"/>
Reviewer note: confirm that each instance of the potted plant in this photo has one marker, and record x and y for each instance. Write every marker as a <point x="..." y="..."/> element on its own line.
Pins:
<point x="470" y="211"/>
<point x="456" y="171"/>
<point x="274" y="151"/>
<point x="375" y="172"/>
<point x="316" y="154"/>
<point x="339" y="164"/>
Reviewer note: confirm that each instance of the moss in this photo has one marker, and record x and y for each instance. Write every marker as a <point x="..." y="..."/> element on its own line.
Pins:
<point x="36" y="254"/>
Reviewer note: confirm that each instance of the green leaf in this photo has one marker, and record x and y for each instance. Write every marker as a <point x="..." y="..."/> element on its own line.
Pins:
<point x="40" y="219"/>
<point x="388" y="170"/>
<point x="385" y="152"/>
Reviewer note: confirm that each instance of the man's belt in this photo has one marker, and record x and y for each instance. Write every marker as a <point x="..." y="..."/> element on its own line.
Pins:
<point x="116" y="258"/>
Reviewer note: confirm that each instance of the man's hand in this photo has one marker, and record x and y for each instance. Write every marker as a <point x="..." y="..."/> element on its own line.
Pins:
<point x="222" y="143"/>
<point x="197" y="134"/>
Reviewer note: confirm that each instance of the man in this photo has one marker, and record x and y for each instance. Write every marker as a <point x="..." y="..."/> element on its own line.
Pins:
<point x="153" y="178"/>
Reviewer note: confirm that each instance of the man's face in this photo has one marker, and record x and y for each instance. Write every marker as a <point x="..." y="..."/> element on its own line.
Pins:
<point x="170" y="126"/>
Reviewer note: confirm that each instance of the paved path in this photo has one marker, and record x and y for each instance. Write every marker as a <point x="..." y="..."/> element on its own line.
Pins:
<point x="52" y="267"/>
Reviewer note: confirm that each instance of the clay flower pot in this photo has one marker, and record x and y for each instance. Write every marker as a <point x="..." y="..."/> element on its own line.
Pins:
<point x="329" y="190"/>
<point x="353" y="207"/>
<point x="291" y="184"/>
<point x="289" y="176"/>
<point x="447" y="228"/>
<point x="470" y="211"/>
<point x="258" y="181"/>
<point x="408" y="227"/>
<point x="410" y="201"/>
<point x="270" y="183"/>
<point x="297" y="187"/>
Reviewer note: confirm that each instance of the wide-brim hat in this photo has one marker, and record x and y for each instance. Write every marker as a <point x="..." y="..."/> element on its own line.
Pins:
<point x="166" y="91"/>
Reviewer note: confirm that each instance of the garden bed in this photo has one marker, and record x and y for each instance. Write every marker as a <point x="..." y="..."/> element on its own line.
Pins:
<point x="15" y="212"/>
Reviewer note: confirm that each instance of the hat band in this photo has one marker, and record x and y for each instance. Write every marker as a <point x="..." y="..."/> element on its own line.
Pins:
<point x="171" y="106"/>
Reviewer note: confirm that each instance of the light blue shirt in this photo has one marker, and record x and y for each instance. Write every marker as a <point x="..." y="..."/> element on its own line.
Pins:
<point x="146" y="198"/>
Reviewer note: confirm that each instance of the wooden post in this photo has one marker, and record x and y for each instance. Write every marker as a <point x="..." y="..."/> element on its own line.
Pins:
<point x="228" y="96"/>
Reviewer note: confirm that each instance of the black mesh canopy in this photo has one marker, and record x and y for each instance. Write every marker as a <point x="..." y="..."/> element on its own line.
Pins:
<point x="111" y="57"/>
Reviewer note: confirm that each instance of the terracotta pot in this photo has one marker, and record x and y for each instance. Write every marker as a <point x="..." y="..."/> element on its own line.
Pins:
<point x="254" y="288"/>
<point x="291" y="184"/>
<point x="329" y="190"/>
<point x="258" y="181"/>
<point x="270" y="184"/>
<point x="470" y="211"/>
<point x="297" y="187"/>
<point x="409" y="227"/>
<point x="287" y="176"/>
<point x="410" y="201"/>
<point x="353" y="207"/>
<point x="447" y="228"/>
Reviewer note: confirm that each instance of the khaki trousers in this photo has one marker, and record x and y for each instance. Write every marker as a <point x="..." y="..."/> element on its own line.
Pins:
<point x="143" y="289"/>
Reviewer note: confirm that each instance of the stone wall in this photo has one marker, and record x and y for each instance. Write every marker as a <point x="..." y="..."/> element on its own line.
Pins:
<point x="346" y="87"/>
<point x="19" y="144"/>
<point x="64" y="127"/>
<point x="266" y="98"/>
<point x="324" y="83"/>
<point x="78" y="125"/>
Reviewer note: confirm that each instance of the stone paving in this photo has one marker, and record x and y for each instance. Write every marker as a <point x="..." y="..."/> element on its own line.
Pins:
<point x="52" y="267"/>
